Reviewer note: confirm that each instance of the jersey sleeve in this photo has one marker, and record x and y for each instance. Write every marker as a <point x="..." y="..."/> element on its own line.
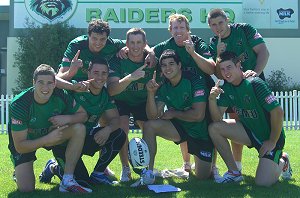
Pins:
<point x="264" y="95"/>
<point x="119" y="44"/>
<point x="71" y="105"/>
<point x="253" y="37"/>
<point x="159" y="48"/>
<point x="18" y="118"/>
<point x="199" y="90"/>
<point x="114" y="67"/>
<point x="69" y="54"/>
<point x="201" y="47"/>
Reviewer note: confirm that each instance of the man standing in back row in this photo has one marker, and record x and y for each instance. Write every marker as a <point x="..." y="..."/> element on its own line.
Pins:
<point x="247" y="43"/>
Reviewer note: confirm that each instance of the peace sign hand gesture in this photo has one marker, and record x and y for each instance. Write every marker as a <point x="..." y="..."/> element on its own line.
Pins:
<point x="189" y="45"/>
<point x="75" y="64"/>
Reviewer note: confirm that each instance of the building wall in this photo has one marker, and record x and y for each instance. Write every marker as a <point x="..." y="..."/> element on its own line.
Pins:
<point x="284" y="53"/>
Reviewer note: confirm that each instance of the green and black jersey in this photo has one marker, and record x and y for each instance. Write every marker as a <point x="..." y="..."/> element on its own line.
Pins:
<point x="187" y="61"/>
<point x="191" y="89"/>
<point x="136" y="92"/>
<point x="25" y="113"/>
<point x="94" y="105"/>
<point x="252" y="101"/>
<point x="243" y="37"/>
<point x="81" y="43"/>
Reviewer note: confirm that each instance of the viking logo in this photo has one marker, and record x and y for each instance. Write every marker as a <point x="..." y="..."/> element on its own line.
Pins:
<point x="51" y="9"/>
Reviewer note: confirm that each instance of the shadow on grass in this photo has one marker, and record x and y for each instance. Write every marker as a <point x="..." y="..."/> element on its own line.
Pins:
<point x="190" y="188"/>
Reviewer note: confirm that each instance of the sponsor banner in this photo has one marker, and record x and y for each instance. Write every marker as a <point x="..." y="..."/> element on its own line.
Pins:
<point x="271" y="14"/>
<point x="121" y="14"/>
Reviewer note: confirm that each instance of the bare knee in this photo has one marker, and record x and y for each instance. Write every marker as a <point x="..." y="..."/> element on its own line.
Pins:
<point x="149" y="127"/>
<point x="213" y="128"/>
<point x="78" y="130"/>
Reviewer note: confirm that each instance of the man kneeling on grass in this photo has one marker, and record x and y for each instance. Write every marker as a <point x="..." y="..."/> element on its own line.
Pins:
<point x="42" y="116"/>
<point x="260" y="124"/>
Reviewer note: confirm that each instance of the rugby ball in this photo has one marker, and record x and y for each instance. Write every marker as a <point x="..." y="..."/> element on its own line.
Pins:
<point x="138" y="153"/>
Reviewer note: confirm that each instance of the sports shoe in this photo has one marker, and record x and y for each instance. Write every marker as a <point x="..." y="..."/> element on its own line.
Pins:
<point x="108" y="172"/>
<point x="73" y="186"/>
<point x="287" y="171"/>
<point x="215" y="173"/>
<point x="147" y="178"/>
<point x="125" y="174"/>
<point x="187" y="166"/>
<point x="229" y="176"/>
<point x="46" y="175"/>
<point x="101" y="178"/>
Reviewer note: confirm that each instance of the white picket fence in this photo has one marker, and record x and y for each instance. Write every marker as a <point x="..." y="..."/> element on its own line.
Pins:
<point x="289" y="101"/>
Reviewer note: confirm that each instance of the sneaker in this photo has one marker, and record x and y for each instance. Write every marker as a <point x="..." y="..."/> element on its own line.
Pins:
<point x="109" y="173"/>
<point x="287" y="171"/>
<point x="101" y="178"/>
<point x="229" y="176"/>
<point x="215" y="173"/>
<point x="187" y="166"/>
<point x="147" y="177"/>
<point x="125" y="174"/>
<point x="73" y="186"/>
<point x="46" y="175"/>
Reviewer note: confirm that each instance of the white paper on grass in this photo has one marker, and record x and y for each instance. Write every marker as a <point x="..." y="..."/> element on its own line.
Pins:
<point x="163" y="188"/>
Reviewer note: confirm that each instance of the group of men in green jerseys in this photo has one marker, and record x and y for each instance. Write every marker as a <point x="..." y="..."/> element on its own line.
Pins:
<point x="85" y="108"/>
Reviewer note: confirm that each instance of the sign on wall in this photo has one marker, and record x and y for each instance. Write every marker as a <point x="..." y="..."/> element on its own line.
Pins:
<point x="154" y="13"/>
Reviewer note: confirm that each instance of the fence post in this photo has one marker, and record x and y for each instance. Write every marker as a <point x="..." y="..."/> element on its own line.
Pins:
<point x="2" y="113"/>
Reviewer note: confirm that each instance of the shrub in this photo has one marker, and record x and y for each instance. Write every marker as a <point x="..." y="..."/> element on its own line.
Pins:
<point x="45" y="44"/>
<point x="278" y="81"/>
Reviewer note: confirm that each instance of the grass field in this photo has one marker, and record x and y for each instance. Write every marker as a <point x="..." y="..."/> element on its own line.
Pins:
<point x="168" y="157"/>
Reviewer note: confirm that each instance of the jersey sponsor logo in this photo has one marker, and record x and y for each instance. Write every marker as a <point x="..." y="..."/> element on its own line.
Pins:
<point x="243" y="57"/>
<point x="32" y="120"/>
<point x="257" y="36"/>
<point x="205" y="153"/>
<point x="15" y="121"/>
<point x="285" y="13"/>
<point x="246" y="113"/>
<point x="46" y="11"/>
<point x="200" y="92"/>
<point x="269" y="99"/>
<point x="65" y="59"/>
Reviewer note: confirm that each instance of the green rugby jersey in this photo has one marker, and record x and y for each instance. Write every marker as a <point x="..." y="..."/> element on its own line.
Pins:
<point x="136" y="92"/>
<point x="189" y="90"/>
<point x="81" y="43"/>
<point x="94" y="105"/>
<point x="25" y="113"/>
<point x="252" y="101"/>
<point x="187" y="61"/>
<point x="243" y="37"/>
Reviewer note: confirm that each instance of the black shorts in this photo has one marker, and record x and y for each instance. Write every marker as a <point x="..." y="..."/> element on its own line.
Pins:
<point x="138" y="112"/>
<point x="90" y="147"/>
<point x="203" y="149"/>
<point x="275" y="154"/>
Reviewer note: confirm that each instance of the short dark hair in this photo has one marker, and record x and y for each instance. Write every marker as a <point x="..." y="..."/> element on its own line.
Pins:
<point x="169" y="53"/>
<point x="136" y="31"/>
<point x="43" y="69"/>
<point x="98" y="26"/>
<point x="228" y="55"/>
<point x="97" y="61"/>
<point x="216" y="13"/>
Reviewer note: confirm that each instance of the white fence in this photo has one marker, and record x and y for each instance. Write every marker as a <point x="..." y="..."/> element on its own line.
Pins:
<point x="290" y="103"/>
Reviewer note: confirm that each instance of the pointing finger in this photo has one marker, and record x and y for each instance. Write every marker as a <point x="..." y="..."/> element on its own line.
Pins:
<point x="219" y="39"/>
<point x="154" y="75"/>
<point x="76" y="55"/>
<point x="189" y="37"/>
<point x="218" y="83"/>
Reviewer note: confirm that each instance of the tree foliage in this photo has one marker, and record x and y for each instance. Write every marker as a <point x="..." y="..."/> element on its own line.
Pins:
<point x="279" y="81"/>
<point x="41" y="44"/>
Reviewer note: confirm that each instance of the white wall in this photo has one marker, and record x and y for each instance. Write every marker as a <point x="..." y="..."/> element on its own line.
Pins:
<point x="284" y="53"/>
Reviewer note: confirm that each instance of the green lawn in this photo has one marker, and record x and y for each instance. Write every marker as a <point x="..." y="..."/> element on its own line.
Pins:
<point x="168" y="157"/>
